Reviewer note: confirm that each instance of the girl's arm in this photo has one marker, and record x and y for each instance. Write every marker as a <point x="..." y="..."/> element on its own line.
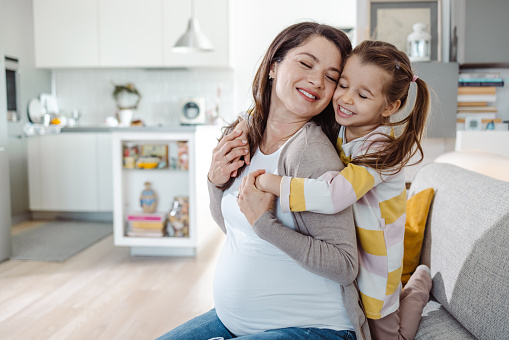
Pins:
<point x="330" y="193"/>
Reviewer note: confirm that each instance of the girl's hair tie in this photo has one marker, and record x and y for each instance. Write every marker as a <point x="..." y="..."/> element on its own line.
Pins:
<point x="397" y="64"/>
<point x="414" y="79"/>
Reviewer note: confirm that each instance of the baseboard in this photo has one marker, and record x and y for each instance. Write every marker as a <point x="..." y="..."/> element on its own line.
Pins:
<point x="103" y="216"/>
<point x="22" y="217"/>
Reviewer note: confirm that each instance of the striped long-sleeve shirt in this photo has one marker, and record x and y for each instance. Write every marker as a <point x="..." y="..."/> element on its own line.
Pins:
<point x="379" y="206"/>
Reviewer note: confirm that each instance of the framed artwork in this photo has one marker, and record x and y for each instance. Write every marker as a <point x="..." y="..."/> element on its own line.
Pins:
<point x="155" y="150"/>
<point x="392" y="21"/>
<point x="473" y="123"/>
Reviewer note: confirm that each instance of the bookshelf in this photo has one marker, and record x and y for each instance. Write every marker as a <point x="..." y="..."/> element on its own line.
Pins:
<point x="169" y="181"/>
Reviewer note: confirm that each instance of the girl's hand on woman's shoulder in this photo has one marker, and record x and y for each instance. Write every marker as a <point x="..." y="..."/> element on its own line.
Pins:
<point x="241" y="126"/>
<point x="226" y="158"/>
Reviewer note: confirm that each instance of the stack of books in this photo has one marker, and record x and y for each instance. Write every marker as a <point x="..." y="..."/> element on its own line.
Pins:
<point x="146" y="224"/>
<point x="477" y="96"/>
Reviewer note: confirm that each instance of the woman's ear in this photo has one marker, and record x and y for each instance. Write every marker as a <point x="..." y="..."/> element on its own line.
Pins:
<point x="391" y="108"/>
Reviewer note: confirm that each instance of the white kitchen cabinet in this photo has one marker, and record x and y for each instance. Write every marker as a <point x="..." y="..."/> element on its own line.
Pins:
<point x="167" y="183"/>
<point x="70" y="172"/>
<point x="126" y="33"/>
<point x="66" y="33"/>
<point x="131" y="33"/>
<point x="213" y="18"/>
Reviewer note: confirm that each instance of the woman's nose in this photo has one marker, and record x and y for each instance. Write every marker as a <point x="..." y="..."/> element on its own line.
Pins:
<point x="316" y="79"/>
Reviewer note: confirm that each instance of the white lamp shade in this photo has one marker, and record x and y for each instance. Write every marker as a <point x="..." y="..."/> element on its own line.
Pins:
<point x="193" y="40"/>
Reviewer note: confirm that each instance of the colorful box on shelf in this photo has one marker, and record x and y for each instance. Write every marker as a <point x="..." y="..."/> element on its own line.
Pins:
<point x="146" y="217"/>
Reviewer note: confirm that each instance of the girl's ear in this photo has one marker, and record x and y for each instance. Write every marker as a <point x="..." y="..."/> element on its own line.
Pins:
<point x="391" y="108"/>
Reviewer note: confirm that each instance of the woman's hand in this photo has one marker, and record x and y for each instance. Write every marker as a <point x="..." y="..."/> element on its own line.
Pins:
<point x="252" y="202"/>
<point x="222" y="167"/>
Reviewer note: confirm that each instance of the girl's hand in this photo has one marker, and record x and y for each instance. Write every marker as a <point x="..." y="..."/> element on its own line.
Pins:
<point x="252" y="202"/>
<point x="269" y="183"/>
<point x="222" y="167"/>
<point x="241" y="126"/>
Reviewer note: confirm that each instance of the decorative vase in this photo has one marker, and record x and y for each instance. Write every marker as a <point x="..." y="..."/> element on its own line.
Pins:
<point x="125" y="116"/>
<point x="148" y="199"/>
<point x="179" y="217"/>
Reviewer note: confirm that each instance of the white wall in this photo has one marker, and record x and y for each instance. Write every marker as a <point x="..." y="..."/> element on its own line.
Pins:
<point x="17" y="39"/>
<point x="254" y="24"/>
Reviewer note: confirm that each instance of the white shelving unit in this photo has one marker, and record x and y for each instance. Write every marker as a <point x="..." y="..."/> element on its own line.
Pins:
<point x="167" y="183"/>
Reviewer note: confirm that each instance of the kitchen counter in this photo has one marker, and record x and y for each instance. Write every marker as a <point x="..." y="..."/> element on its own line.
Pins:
<point x="166" y="128"/>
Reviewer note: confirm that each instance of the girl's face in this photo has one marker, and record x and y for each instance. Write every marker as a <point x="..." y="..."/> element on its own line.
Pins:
<point x="305" y="79"/>
<point x="359" y="102"/>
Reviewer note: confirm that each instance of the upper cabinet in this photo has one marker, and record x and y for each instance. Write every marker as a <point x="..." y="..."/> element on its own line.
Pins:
<point x="130" y="33"/>
<point x="126" y="33"/>
<point x="66" y="33"/>
<point x="479" y="31"/>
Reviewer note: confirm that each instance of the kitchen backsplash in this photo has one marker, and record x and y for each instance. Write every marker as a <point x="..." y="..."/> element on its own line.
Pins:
<point x="90" y="92"/>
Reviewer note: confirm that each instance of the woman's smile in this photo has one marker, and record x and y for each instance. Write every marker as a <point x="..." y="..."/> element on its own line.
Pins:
<point x="308" y="94"/>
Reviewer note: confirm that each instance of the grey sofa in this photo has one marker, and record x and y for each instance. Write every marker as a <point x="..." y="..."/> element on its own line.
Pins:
<point x="466" y="245"/>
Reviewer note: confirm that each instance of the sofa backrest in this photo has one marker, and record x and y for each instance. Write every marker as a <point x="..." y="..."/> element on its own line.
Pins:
<point x="466" y="245"/>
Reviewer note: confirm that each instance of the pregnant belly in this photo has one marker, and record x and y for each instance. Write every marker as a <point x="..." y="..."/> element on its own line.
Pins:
<point x="261" y="288"/>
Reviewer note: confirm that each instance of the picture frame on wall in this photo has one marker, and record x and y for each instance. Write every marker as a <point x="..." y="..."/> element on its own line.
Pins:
<point x="392" y="21"/>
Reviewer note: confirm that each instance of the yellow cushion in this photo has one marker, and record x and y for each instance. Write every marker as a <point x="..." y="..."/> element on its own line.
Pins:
<point x="417" y="208"/>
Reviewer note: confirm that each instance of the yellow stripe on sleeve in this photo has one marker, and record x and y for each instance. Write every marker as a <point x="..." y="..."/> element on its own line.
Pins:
<point x="393" y="208"/>
<point x="372" y="306"/>
<point x="393" y="280"/>
<point x="360" y="179"/>
<point x="372" y="241"/>
<point x="297" y="199"/>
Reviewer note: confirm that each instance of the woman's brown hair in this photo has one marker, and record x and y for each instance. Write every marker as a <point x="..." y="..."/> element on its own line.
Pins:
<point x="288" y="39"/>
<point x="398" y="150"/>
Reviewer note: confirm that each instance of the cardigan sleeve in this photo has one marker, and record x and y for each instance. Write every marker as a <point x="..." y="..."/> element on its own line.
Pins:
<point x="215" y="197"/>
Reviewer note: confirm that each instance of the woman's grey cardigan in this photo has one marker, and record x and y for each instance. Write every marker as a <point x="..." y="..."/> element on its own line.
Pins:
<point x="323" y="244"/>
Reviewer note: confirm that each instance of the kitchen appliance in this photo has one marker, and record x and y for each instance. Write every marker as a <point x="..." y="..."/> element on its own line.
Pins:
<point x="192" y="111"/>
<point x="5" y="198"/>
<point x="11" y="84"/>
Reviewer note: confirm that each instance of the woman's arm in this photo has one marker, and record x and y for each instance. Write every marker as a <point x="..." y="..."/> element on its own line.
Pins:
<point x="323" y="244"/>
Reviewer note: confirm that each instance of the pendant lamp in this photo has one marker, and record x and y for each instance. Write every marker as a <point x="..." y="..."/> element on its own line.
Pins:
<point x="193" y="40"/>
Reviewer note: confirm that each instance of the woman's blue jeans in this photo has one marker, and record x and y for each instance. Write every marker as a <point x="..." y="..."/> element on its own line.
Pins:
<point x="208" y="325"/>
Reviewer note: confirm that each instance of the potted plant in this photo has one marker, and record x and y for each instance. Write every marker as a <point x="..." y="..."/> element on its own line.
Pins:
<point x="127" y="99"/>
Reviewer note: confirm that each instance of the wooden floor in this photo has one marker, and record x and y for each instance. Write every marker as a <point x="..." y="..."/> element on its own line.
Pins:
<point x="104" y="293"/>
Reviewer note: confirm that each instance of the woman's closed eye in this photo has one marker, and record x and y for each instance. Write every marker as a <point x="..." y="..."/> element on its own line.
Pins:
<point x="332" y="78"/>
<point x="305" y="64"/>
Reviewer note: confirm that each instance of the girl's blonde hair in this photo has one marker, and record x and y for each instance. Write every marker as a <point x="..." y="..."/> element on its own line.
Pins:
<point x="398" y="150"/>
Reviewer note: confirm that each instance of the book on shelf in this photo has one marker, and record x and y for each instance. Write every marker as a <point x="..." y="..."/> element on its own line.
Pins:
<point x="470" y="104"/>
<point x="476" y="109"/>
<point x="470" y="75"/>
<point x="480" y="79"/>
<point x="481" y="83"/>
<point x="147" y="225"/>
<point x="145" y="233"/>
<point x="147" y="217"/>
<point x="490" y="98"/>
<point x="482" y="115"/>
<point x="477" y="90"/>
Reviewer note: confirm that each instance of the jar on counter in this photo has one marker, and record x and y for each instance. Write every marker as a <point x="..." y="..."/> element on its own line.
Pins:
<point x="130" y="154"/>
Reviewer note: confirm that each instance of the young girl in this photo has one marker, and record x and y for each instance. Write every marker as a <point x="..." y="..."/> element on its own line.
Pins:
<point x="373" y="87"/>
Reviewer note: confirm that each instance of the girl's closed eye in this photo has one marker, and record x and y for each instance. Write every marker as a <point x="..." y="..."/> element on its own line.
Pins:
<point x="305" y="64"/>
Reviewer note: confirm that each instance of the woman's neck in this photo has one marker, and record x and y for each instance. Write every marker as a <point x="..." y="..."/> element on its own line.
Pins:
<point x="277" y="132"/>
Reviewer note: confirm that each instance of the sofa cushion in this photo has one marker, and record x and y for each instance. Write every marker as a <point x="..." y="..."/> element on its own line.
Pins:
<point x="465" y="245"/>
<point x="417" y="208"/>
<point x="438" y="324"/>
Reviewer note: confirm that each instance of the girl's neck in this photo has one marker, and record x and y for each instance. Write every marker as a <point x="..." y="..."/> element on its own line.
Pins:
<point x="355" y="132"/>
